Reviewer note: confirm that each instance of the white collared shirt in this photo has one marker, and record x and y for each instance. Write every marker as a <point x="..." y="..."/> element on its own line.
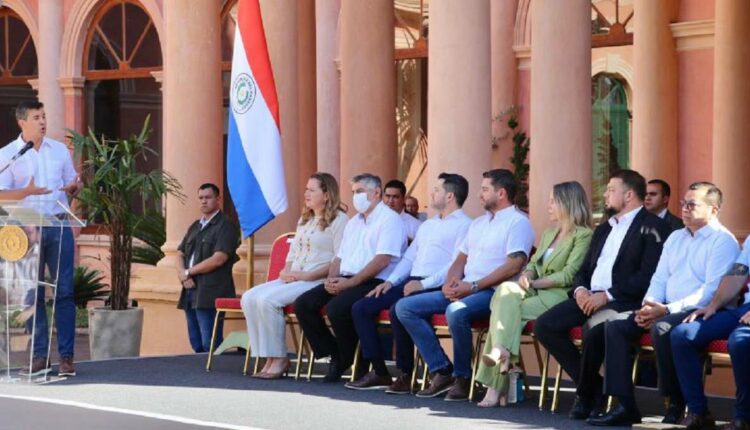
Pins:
<point x="51" y="167"/>
<point x="203" y="222"/>
<point x="382" y="233"/>
<point x="744" y="259"/>
<point x="431" y="253"/>
<point x="691" y="267"/>
<point x="601" y="279"/>
<point x="663" y="213"/>
<point x="491" y="239"/>
<point x="411" y="224"/>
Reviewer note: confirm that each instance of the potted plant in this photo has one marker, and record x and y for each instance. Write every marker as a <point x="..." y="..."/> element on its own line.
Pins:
<point x="114" y="195"/>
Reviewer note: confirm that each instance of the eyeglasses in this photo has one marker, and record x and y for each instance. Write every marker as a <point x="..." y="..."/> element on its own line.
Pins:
<point x="690" y="205"/>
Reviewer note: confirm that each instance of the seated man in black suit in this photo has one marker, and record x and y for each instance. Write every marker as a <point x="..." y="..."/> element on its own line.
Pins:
<point x="614" y="277"/>
<point x="657" y="200"/>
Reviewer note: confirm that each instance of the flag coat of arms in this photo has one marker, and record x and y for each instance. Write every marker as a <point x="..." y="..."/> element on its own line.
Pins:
<point x="255" y="169"/>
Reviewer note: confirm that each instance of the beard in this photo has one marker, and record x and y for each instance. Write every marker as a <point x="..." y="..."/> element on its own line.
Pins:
<point x="609" y="212"/>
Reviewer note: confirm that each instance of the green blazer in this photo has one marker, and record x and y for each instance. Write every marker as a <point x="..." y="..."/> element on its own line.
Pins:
<point x="562" y="264"/>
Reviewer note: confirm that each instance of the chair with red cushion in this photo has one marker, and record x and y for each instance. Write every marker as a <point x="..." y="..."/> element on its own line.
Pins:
<point x="224" y="306"/>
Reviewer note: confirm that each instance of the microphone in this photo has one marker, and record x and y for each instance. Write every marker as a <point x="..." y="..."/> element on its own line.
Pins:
<point x="13" y="159"/>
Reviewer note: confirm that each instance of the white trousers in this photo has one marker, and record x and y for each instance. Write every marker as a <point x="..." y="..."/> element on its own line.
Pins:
<point x="263" y="307"/>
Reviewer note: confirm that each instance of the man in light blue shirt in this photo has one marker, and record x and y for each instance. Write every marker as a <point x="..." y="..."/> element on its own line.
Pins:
<point x="692" y="263"/>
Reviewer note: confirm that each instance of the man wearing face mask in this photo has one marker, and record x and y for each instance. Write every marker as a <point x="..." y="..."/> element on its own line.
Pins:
<point x="371" y="247"/>
<point x="613" y="278"/>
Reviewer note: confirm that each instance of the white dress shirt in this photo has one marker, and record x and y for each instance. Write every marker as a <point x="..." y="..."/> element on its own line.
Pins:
<point x="601" y="279"/>
<point x="491" y="238"/>
<point x="411" y="224"/>
<point x="744" y="258"/>
<point x="663" y="213"/>
<point x="691" y="267"/>
<point x="51" y="167"/>
<point x="431" y="253"/>
<point x="382" y="233"/>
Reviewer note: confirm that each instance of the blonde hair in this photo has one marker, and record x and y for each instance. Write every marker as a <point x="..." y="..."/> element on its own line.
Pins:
<point x="330" y="188"/>
<point x="571" y="199"/>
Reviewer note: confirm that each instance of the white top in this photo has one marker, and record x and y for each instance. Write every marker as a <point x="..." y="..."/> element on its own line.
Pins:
<point x="663" y="213"/>
<point x="601" y="279"/>
<point x="691" y="267"/>
<point x="547" y="253"/>
<point x="382" y="233"/>
<point x="411" y="224"/>
<point x="744" y="258"/>
<point x="312" y="247"/>
<point x="431" y="253"/>
<point x="51" y="167"/>
<point x="491" y="238"/>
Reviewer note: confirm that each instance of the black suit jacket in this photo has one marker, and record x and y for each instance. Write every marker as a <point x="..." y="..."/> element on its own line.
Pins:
<point x="636" y="260"/>
<point x="675" y="223"/>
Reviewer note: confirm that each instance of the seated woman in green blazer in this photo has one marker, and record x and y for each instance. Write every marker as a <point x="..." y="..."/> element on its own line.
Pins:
<point x="544" y="283"/>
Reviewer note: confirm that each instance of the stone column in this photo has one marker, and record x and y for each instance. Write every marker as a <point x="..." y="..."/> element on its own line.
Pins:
<point x="654" y="147"/>
<point x="368" y="103"/>
<point x="503" y="72"/>
<point x="459" y="94"/>
<point x="193" y="121"/>
<point x="72" y="90"/>
<point x="307" y="91"/>
<point x="731" y="132"/>
<point x="48" y="55"/>
<point x="560" y="100"/>
<point x="281" y="26"/>
<point x="327" y="83"/>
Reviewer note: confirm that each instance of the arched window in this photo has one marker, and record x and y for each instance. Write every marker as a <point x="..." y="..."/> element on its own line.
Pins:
<point x="122" y="58"/>
<point x="18" y="64"/>
<point x="610" y="133"/>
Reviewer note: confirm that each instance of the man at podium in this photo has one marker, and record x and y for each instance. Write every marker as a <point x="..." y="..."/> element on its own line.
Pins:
<point x="40" y="173"/>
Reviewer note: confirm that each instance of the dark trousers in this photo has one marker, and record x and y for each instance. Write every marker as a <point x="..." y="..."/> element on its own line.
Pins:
<point x="621" y="335"/>
<point x="365" y="313"/>
<point x="552" y="327"/>
<point x="739" y="350"/>
<point x="339" y="311"/>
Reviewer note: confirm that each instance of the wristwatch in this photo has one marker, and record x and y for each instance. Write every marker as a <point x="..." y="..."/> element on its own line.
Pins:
<point x="187" y="273"/>
<point x="474" y="287"/>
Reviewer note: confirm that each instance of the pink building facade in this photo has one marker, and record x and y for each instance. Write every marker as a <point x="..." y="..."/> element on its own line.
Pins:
<point x="403" y="88"/>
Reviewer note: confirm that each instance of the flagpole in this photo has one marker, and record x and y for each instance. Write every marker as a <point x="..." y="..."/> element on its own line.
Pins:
<point x="250" y="261"/>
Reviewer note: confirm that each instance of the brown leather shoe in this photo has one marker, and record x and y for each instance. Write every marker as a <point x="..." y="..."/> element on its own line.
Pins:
<point x="697" y="422"/>
<point x="439" y="384"/>
<point x="66" y="367"/>
<point x="459" y="391"/>
<point x="402" y="385"/>
<point x="737" y="424"/>
<point x="371" y="381"/>
<point x="39" y="366"/>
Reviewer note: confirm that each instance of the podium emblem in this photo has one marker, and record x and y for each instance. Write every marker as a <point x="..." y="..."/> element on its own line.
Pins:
<point x="14" y="243"/>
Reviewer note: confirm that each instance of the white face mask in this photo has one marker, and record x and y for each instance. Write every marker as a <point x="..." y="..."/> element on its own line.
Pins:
<point x="361" y="204"/>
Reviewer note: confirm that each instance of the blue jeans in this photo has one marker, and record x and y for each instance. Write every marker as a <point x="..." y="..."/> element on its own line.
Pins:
<point x="57" y="246"/>
<point x="415" y="312"/>
<point x="688" y="342"/>
<point x="200" y="323"/>
<point x="739" y="350"/>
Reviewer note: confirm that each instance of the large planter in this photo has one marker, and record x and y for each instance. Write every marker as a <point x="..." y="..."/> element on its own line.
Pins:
<point x="114" y="334"/>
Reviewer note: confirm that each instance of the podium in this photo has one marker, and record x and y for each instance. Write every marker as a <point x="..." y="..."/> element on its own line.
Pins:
<point x="23" y="228"/>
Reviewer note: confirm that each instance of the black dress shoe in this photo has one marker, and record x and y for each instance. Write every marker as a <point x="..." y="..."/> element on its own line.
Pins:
<point x="334" y="372"/>
<point x="737" y="424"/>
<point x="674" y="414"/>
<point x="582" y="408"/>
<point x="697" y="422"/>
<point x="618" y="416"/>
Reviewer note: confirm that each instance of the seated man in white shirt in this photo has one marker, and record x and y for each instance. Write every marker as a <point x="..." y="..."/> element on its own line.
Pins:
<point x="394" y="195"/>
<point x="495" y="249"/>
<point x="692" y="263"/>
<point x="423" y="267"/>
<point x="371" y="246"/>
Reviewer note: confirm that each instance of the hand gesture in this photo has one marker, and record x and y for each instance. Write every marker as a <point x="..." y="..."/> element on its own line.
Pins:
<point x="380" y="289"/>
<point x="33" y="190"/>
<point x="288" y="276"/>
<point x="412" y="287"/>
<point x="706" y="313"/>
<point x="745" y="319"/>
<point x="595" y="302"/>
<point x="73" y="187"/>
<point x="189" y="283"/>
<point x="582" y="297"/>
<point x="524" y="282"/>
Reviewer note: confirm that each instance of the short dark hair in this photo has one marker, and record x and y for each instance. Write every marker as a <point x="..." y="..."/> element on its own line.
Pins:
<point x="714" y="196"/>
<point x="23" y="108"/>
<point x="632" y="180"/>
<point x="456" y="184"/>
<point x="395" y="183"/>
<point x="503" y="178"/>
<point x="211" y="186"/>
<point x="372" y="181"/>
<point x="665" y="188"/>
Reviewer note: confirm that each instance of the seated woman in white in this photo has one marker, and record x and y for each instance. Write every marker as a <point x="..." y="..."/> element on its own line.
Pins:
<point x="316" y="242"/>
